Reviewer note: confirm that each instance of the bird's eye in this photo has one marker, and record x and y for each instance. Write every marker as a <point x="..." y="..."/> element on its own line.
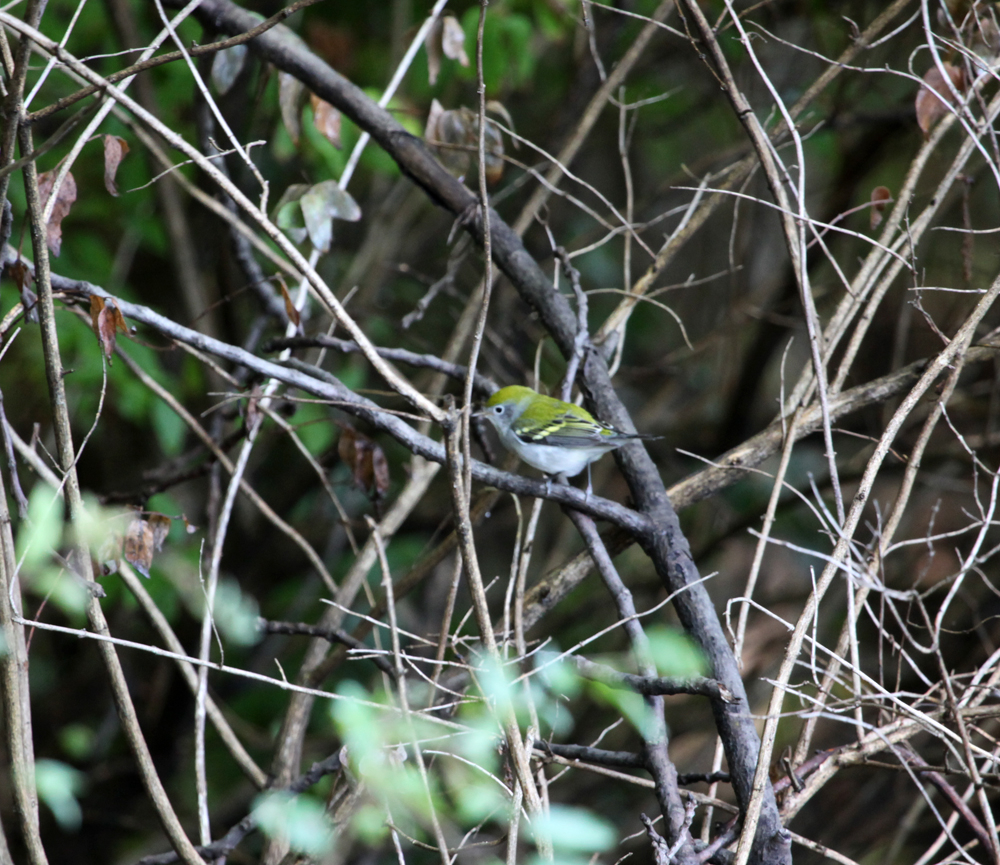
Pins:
<point x="498" y="409"/>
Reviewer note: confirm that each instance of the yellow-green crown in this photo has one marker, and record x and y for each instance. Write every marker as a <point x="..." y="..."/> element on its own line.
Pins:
<point x="511" y="393"/>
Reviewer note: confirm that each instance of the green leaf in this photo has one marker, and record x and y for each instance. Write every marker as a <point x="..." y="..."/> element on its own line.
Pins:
<point x="357" y="723"/>
<point x="236" y="614"/>
<point x="226" y="66"/>
<point x="478" y="798"/>
<point x="170" y="429"/>
<point x="560" y="675"/>
<point x="575" y="829"/>
<point x="298" y="820"/>
<point x="676" y="654"/>
<point x="40" y="535"/>
<point x="288" y="212"/>
<point x="77" y="740"/>
<point x="58" y="786"/>
<point x="631" y="705"/>
<point x="322" y="204"/>
<point x="67" y="591"/>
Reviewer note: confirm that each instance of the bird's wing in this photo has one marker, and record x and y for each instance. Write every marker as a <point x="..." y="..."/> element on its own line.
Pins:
<point x="567" y="430"/>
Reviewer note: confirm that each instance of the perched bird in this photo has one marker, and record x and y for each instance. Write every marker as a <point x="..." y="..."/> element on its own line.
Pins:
<point x="549" y="434"/>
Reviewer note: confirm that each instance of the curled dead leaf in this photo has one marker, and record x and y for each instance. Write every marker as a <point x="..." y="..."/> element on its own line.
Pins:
<point x="453" y="40"/>
<point x="326" y="119"/>
<point x="291" y="95"/>
<point x="293" y="314"/>
<point x="144" y="536"/>
<point x="139" y="544"/>
<point x="23" y="277"/>
<point x="160" y="524"/>
<point x="447" y="38"/>
<point x="115" y="150"/>
<point x="64" y="203"/>
<point x="253" y="413"/>
<point x="881" y="196"/>
<point x="455" y="136"/>
<point x="366" y="460"/>
<point x="107" y="320"/>
<point x="935" y="94"/>
<point x="226" y="67"/>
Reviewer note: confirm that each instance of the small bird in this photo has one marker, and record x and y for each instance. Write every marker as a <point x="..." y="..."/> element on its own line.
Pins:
<point x="554" y="436"/>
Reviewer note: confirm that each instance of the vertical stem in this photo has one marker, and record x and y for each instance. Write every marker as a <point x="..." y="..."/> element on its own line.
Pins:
<point x="74" y="504"/>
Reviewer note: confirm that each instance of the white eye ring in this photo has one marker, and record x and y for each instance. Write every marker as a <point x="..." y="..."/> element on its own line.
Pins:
<point x="498" y="409"/>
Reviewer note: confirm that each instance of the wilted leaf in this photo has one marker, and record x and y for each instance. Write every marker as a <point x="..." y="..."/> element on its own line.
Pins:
<point x="986" y="38"/>
<point x="22" y="276"/>
<point x="453" y="40"/>
<point x="253" y="413"/>
<point x="431" y="132"/>
<point x="139" y="544"/>
<point x="96" y="305"/>
<point x="64" y="201"/>
<point x="288" y="212"/>
<point x="291" y="95"/>
<point x="323" y="203"/>
<point x="115" y="150"/>
<point x="106" y="330"/>
<point x="881" y="196"/>
<point x="226" y="67"/>
<point x="935" y="95"/>
<point x="336" y="45"/>
<point x="160" y="524"/>
<point x="495" y="106"/>
<point x="366" y="460"/>
<point x="433" y="48"/>
<point x="380" y="471"/>
<point x="107" y="320"/>
<point x="456" y="134"/>
<point x="326" y="119"/>
<point x="293" y="314"/>
<point x="448" y="38"/>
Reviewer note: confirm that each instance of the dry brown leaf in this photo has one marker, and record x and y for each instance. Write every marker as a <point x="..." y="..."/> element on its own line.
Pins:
<point x="433" y="47"/>
<point x="106" y="330"/>
<point x="447" y="38"/>
<point x="293" y="314"/>
<point x="291" y="94"/>
<point x="115" y="150"/>
<point x="380" y="471"/>
<point x="881" y="196"/>
<point x="139" y="544"/>
<point x="160" y="525"/>
<point x="336" y="45"/>
<point x="935" y="95"/>
<point x="96" y="305"/>
<point x="326" y="119"/>
<point x="431" y="130"/>
<point x="23" y="277"/>
<point x="64" y="202"/>
<point x="253" y="414"/>
<point x="453" y="40"/>
<point x="455" y="134"/>
<point x="107" y="320"/>
<point x="366" y="460"/>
